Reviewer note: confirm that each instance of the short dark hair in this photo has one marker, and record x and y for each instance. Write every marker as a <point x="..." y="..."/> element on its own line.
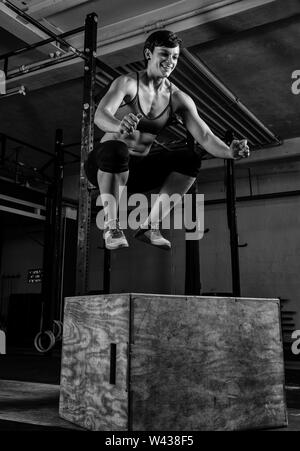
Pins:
<point x="161" y="38"/>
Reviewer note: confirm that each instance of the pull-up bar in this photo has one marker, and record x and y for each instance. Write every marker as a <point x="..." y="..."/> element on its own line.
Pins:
<point x="45" y="30"/>
<point x="41" y="43"/>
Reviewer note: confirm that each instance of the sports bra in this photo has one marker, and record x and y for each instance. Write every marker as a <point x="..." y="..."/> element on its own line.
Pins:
<point x="148" y="125"/>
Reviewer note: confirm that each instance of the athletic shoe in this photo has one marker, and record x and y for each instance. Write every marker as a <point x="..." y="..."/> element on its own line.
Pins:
<point x="114" y="237"/>
<point x="151" y="235"/>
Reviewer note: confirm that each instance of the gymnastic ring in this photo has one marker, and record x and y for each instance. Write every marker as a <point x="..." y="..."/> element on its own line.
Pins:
<point x="59" y="326"/>
<point x="38" y="341"/>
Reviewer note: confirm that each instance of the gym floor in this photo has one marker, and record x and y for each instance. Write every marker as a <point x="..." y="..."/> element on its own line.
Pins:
<point x="29" y="397"/>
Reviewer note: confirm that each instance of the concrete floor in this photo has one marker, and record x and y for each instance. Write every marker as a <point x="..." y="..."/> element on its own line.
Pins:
<point x="34" y="406"/>
<point x="29" y="395"/>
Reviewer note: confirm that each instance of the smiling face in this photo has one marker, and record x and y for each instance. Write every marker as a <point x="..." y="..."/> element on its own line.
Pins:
<point x="162" y="61"/>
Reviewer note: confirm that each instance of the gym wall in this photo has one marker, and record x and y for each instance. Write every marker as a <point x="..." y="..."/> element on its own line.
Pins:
<point x="269" y="265"/>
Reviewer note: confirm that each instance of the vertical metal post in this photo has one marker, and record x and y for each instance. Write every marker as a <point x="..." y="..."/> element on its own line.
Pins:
<point x="52" y="270"/>
<point x="1" y="263"/>
<point x="5" y="66"/>
<point x="192" y="252"/>
<point x="106" y="271"/>
<point x="87" y="140"/>
<point x="3" y="149"/>
<point x="57" y="224"/>
<point x="46" y="320"/>
<point x="232" y="220"/>
<point x="17" y="170"/>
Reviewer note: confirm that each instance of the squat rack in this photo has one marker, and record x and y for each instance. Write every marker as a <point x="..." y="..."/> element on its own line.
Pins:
<point x="87" y="130"/>
<point x="89" y="79"/>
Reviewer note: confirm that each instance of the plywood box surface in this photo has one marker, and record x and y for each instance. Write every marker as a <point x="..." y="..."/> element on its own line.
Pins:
<point x="175" y="363"/>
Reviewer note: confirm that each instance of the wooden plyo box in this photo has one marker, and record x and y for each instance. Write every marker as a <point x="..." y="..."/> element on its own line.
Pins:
<point x="172" y="363"/>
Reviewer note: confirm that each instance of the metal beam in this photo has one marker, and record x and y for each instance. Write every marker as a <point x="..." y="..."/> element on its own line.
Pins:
<point x="15" y="200"/>
<point x="58" y="225"/>
<point x="87" y="142"/>
<point x="23" y="30"/>
<point x="49" y="71"/>
<point x="41" y="66"/>
<point x="18" y="206"/>
<point x="38" y="44"/>
<point x="14" y="91"/>
<point x="16" y="211"/>
<point x="44" y="29"/>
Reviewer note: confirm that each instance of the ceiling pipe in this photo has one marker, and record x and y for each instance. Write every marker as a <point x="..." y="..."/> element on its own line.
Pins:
<point x="227" y="93"/>
<point x="231" y="107"/>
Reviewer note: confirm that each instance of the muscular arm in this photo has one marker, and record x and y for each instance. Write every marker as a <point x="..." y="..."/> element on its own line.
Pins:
<point x="104" y="116"/>
<point x="199" y="129"/>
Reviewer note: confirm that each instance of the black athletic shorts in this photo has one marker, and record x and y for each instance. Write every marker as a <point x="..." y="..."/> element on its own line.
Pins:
<point x="149" y="172"/>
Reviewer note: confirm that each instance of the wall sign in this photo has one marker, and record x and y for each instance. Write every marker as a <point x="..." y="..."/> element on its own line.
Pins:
<point x="35" y="276"/>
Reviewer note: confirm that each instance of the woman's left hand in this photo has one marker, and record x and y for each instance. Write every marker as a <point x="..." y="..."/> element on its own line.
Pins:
<point x="239" y="149"/>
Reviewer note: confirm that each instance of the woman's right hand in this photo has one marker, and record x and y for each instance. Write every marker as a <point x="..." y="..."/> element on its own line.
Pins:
<point x="129" y="123"/>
